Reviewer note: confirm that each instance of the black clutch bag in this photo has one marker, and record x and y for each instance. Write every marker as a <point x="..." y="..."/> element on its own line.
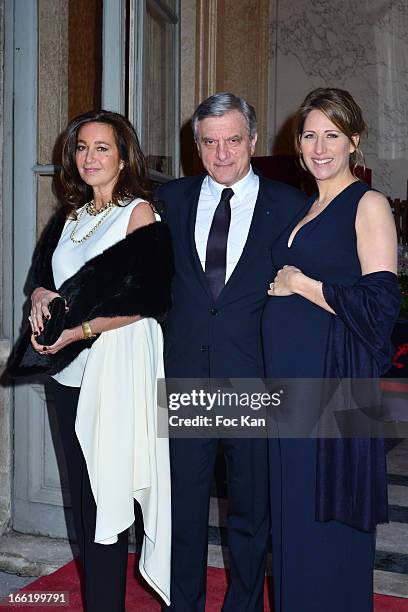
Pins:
<point x="53" y="327"/>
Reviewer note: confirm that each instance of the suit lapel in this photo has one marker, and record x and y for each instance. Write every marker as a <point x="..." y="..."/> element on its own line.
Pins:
<point x="259" y="230"/>
<point x="188" y="216"/>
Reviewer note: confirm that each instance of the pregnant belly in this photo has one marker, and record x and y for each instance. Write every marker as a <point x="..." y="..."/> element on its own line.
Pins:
<point x="294" y="334"/>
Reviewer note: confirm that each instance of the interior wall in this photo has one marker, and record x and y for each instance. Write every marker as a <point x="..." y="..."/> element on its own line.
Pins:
<point x="361" y="47"/>
<point x="224" y="47"/>
<point x="242" y="56"/>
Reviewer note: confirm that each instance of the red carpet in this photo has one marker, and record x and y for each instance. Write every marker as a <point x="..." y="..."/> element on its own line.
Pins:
<point x="140" y="600"/>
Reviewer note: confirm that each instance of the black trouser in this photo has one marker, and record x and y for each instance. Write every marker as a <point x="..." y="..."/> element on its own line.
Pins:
<point x="104" y="565"/>
<point x="192" y="470"/>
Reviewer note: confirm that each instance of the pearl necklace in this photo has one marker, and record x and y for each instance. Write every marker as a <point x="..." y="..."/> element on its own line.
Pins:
<point x="91" y="210"/>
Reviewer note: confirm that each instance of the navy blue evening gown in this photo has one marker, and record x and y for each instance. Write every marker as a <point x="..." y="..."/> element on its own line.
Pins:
<point x="317" y="567"/>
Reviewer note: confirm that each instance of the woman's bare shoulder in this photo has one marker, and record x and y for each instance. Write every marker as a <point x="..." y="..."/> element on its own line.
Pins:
<point x="142" y="214"/>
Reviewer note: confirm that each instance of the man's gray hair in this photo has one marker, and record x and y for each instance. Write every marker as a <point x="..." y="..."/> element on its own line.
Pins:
<point x="221" y="103"/>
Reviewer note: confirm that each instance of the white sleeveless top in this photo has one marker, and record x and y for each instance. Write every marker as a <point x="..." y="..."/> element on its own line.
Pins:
<point x="69" y="257"/>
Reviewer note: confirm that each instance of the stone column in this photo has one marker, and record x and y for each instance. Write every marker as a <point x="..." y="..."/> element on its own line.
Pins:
<point x="5" y="394"/>
<point x="6" y="464"/>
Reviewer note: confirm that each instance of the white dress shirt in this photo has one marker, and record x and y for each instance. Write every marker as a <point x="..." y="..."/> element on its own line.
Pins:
<point x="242" y="209"/>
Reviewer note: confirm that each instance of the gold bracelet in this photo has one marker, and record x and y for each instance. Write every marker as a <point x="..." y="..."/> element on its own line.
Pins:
<point x="87" y="331"/>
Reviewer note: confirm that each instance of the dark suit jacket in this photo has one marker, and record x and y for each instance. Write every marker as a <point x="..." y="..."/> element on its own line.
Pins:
<point x="223" y="338"/>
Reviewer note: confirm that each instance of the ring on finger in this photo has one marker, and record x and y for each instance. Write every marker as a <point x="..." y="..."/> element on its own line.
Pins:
<point x="271" y="285"/>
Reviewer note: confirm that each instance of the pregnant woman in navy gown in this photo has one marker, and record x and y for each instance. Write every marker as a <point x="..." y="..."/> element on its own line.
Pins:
<point x="340" y="249"/>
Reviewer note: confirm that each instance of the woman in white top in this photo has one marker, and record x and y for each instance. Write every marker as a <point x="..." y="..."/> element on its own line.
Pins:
<point x="105" y="367"/>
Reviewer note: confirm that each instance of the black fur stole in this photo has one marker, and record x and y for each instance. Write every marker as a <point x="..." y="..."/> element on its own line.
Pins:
<point x="131" y="277"/>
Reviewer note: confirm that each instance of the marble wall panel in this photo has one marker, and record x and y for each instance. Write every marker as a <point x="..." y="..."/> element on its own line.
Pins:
<point x="362" y="47"/>
<point x="47" y="199"/>
<point x="52" y="75"/>
<point x="52" y="94"/>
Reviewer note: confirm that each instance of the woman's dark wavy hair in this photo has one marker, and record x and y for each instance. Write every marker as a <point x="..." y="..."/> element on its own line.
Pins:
<point x="132" y="181"/>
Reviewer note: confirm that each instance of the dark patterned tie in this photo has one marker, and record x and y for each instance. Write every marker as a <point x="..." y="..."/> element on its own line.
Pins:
<point x="216" y="254"/>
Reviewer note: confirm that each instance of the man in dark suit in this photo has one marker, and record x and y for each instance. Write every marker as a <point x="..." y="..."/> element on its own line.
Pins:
<point x="223" y="225"/>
